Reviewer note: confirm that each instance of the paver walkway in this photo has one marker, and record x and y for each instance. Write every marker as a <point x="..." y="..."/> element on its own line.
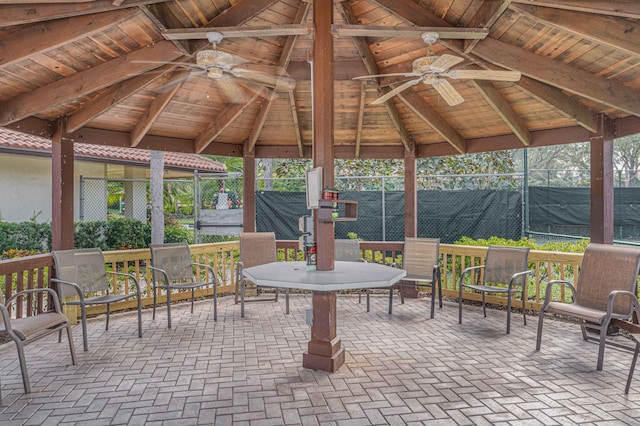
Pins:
<point x="400" y="369"/>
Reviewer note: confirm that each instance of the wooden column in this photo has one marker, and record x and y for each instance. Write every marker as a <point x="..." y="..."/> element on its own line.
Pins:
<point x="602" y="182"/>
<point x="410" y="193"/>
<point x="324" y="350"/>
<point x="61" y="190"/>
<point x="248" y="193"/>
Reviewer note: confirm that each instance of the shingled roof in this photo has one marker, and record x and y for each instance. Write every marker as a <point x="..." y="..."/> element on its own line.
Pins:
<point x="17" y="142"/>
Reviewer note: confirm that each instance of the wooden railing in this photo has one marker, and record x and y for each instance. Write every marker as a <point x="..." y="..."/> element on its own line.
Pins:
<point x="34" y="271"/>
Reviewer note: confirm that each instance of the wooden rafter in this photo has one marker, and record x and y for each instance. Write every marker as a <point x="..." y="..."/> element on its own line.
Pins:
<point x="486" y="15"/>
<point x="372" y="68"/>
<point x="263" y="112"/>
<point x="157" y="106"/>
<point x="433" y="119"/>
<point x="18" y="14"/>
<point x="222" y="121"/>
<point x="231" y="32"/>
<point x="503" y="109"/>
<point x="363" y="95"/>
<point x="296" y="123"/>
<point x="623" y="8"/>
<point x="564" y="76"/>
<point x="85" y="82"/>
<point x="614" y="32"/>
<point x="409" y="32"/>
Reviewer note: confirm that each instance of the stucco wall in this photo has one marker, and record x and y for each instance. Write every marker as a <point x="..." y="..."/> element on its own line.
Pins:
<point x="25" y="186"/>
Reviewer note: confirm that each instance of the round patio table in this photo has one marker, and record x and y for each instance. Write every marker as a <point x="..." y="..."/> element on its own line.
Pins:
<point x="324" y="350"/>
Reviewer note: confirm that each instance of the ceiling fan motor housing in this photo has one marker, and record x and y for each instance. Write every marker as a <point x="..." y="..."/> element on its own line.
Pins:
<point x="422" y="65"/>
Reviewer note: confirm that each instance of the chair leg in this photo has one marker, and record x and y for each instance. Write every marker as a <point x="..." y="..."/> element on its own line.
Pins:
<point x="215" y="302"/>
<point x="275" y="299"/>
<point x="368" y="300"/>
<point x="108" y="315"/>
<point x="401" y="294"/>
<point x="440" y="291"/>
<point x="539" y="336"/>
<point x="85" y="340"/>
<point x="237" y="290"/>
<point x="524" y="312"/>
<point x="286" y="298"/>
<point x="484" y="304"/>
<point x="23" y="366"/>
<point x="433" y="299"/>
<point x="139" y="317"/>
<point x="168" y="306"/>
<point x="72" y="348"/>
<point x="155" y="297"/>
<point x="193" y="296"/>
<point x="242" y="299"/>
<point x="508" y="313"/>
<point x="460" y="305"/>
<point x="603" y="339"/>
<point x="390" y="300"/>
<point x="633" y="367"/>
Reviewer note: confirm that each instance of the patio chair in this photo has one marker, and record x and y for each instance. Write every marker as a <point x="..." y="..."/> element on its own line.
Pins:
<point x="29" y="329"/>
<point x="348" y="250"/>
<point x="81" y="273"/>
<point x="505" y="272"/>
<point x="606" y="290"/>
<point x="420" y="258"/>
<point x="173" y="269"/>
<point x="636" y="339"/>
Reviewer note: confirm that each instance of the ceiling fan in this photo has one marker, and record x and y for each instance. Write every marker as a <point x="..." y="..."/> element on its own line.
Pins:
<point x="219" y="66"/>
<point x="434" y="70"/>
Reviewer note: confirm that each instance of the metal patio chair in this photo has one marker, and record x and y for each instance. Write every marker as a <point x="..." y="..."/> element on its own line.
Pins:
<point x="504" y="272"/>
<point x="31" y="328"/>
<point x="420" y="258"/>
<point x="606" y="290"/>
<point x="348" y="250"/>
<point x="173" y="269"/>
<point x="82" y="273"/>
<point x="256" y="248"/>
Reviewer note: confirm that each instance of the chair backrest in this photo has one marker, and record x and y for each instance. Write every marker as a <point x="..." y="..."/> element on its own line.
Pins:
<point x="347" y="250"/>
<point x="257" y="248"/>
<point x="502" y="262"/>
<point x="84" y="267"/>
<point x="174" y="259"/>
<point x="419" y="256"/>
<point x="606" y="268"/>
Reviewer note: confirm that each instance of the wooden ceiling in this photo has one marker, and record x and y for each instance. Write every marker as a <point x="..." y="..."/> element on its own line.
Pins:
<point x="101" y="70"/>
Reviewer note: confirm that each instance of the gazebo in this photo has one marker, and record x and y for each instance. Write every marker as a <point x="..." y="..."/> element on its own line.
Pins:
<point x="279" y="79"/>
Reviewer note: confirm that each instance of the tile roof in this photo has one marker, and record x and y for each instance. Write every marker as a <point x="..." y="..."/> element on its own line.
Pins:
<point x="173" y="160"/>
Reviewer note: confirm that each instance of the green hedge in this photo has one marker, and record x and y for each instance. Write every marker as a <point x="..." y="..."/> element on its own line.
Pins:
<point x="116" y="234"/>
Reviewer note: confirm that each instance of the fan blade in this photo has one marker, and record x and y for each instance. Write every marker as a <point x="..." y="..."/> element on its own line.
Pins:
<point x="484" y="75"/>
<point x="393" y="92"/>
<point x="448" y="92"/>
<point x="267" y="79"/>
<point x="233" y="93"/>
<point x="445" y="62"/>
<point x="395" y="74"/>
<point x="184" y="64"/>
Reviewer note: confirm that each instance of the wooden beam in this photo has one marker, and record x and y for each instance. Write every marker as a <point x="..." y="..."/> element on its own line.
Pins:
<point x="433" y="119"/>
<point x="372" y="68"/>
<point x="560" y="75"/>
<point x="62" y="163"/>
<point x="249" y="192"/>
<point x="383" y="31"/>
<point x="601" y="188"/>
<point x="113" y="96"/>
<point x="363" y="95"/>
<point x="222" y="121"/>
<point x="263" y="112"/>
<point x="157" y="106"/>
<point x="296" y="123"/>
<point x="617" y="33"/>
<point x="19" y="14"/>
<point x="486" y="15"/>
<point x="41" y="38"/>
<point x="231" y="32"/>
<point x="503" y="109"/>
<point x="85" y="82"/>
<point x="622" y="8"/>
<point x="411" y="193"/>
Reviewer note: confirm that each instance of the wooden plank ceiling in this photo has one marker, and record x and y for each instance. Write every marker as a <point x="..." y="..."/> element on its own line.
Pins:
<point x="112" y="72"/>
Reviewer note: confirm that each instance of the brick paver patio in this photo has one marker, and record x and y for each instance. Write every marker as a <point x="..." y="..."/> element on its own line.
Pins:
<point x="400" y="369"/>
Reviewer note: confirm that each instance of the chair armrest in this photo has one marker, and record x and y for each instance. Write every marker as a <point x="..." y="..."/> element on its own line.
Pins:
<point x="550" y="285"/>
<point x="53" y="294"/>
<point x="162" y="271"/>
<point x="519" y="274"/>
<point x="131" y="276"/>
<point x="209" y="268"/>
<point x="616" y="293"/>
<point x="75" y="286"/>
<point x="466" y="271"/>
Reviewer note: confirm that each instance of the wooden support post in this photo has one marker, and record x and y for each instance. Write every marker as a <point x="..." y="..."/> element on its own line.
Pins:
<point x="248" y="193"/>
<point x="325" y="350"/>
<point x="410" y="193"/>
<point x="61" y="189"/>
<point x="602" y="182"/>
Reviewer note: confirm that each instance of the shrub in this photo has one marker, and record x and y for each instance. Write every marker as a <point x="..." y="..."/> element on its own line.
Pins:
<point x="125" y="234"/>
<point x="177" y="234"/>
